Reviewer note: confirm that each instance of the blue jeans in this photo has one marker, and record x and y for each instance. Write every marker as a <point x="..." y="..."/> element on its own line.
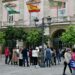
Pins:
<point x="25" y="58"/>
<point x="48" y="61"/>
<point x="58" y="59"/>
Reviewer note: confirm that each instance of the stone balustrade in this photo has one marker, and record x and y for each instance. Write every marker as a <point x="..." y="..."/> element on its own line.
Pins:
<point x="54" y="21"/>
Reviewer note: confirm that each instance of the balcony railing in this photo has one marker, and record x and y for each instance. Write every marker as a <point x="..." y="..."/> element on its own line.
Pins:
<point x="54" y="21"/>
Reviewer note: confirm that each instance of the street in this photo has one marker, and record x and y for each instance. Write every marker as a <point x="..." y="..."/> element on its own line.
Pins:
<point x="32" y="70"/>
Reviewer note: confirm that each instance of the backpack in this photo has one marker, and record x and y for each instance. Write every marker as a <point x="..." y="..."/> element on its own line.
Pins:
<point x="72" y="61"/>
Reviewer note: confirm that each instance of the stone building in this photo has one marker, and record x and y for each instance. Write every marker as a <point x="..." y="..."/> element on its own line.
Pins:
<point x="22" y="13"/>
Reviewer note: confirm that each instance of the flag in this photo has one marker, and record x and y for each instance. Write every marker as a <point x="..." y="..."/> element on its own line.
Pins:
<point x="56" y="3"/>
<point x="33" y="8"/>
<point x="11" y="10"/>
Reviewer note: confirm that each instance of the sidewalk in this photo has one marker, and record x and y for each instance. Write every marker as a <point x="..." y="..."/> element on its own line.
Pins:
<point x="16" y="70"/>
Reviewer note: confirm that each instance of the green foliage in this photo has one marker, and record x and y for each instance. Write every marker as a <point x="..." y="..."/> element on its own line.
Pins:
<point x="2" y="37"/>
<point x="9" y="33"/>
<point x="20" y="34"/>
<point x="55" y="3"/>
<point x="34" y="37"/>
<point x="14" y="33"/>
<point x="69" y="35"/>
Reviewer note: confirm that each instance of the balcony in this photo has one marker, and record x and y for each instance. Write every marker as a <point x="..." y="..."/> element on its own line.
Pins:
<point x="54" y="21"/>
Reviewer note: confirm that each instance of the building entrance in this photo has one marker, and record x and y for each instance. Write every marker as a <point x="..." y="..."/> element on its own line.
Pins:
<point x="57" y="43"/>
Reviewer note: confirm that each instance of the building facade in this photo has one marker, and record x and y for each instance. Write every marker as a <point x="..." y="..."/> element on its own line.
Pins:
<point x="19" y="10"/>
<point x="23" y="12"/>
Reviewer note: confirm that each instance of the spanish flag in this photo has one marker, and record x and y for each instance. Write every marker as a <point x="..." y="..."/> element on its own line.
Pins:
<point x="33" y="8"/>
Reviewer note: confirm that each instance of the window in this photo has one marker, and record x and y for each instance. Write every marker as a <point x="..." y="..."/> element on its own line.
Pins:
<point x="64" y="4"/>
<point x="10" y="19"/>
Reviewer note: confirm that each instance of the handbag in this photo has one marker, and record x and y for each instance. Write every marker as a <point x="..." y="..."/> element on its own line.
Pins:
<point x="72" y="63"/>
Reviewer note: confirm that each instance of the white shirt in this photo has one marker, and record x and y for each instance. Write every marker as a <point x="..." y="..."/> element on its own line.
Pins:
<point x="20" y="56"/>
<point x="34" y="53"/>
<point x="67" y="56"/>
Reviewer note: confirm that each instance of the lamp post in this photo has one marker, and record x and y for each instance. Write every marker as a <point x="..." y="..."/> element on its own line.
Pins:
<point x="42" y="27"/>
<point x="49" y="23"/>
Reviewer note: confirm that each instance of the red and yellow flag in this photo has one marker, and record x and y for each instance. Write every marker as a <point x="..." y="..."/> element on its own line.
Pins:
<point x="33" y="8"/>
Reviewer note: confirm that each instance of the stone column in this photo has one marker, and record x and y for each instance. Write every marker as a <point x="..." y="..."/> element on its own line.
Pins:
<point x="46" y="8"/>
<point x="1" y="12"/>
<point x="21" y="8"/>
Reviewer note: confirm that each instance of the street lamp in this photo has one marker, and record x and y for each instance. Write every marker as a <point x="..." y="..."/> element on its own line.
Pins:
<point x="36" y="20"/>
<point x="42" y="27"/>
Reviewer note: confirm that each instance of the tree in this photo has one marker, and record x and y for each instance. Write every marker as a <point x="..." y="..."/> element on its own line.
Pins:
<point x="33" y="37"/>
<point x="9" y="33"/>
<point x="20" y="34"/>
<point x="12" y="34"/>
<point x="2" y="40"/>
<point x="68" y="36"/>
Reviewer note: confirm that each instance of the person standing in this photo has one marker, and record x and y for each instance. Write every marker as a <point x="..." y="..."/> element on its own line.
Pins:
<point x="72" y="62"/>
<point x="20" y="57"/>
<point x="15" y="56"/>
<point x="25" y="56"/>
<point x="39" y="56"/>
<point x="48" y="57"/>
<point x="58" y="56"/>
<point x="54" y="56"/>
<point x="35" y="56"/>
<point x="10" y="56"/>
<point x="30" y="56"/>
<point x="67" y="58"/>
<point x="7" y="52"/>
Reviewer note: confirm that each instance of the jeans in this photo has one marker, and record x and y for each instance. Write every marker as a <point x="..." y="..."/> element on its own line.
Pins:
<point x="58" y="59"/>
<point x="25" y="58"/>
<point x="48" y="61"/>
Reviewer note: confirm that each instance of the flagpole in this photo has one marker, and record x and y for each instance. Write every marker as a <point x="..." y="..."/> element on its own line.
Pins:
<point x="7" y="17"/>
<point x="30" y="18"/>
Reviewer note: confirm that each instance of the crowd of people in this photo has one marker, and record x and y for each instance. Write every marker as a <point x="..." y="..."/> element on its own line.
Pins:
<point x="33" y="56"/>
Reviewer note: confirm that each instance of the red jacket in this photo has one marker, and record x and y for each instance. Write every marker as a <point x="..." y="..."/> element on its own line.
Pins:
<point x="7" y="52"/>
<point x="30" y="53"/>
